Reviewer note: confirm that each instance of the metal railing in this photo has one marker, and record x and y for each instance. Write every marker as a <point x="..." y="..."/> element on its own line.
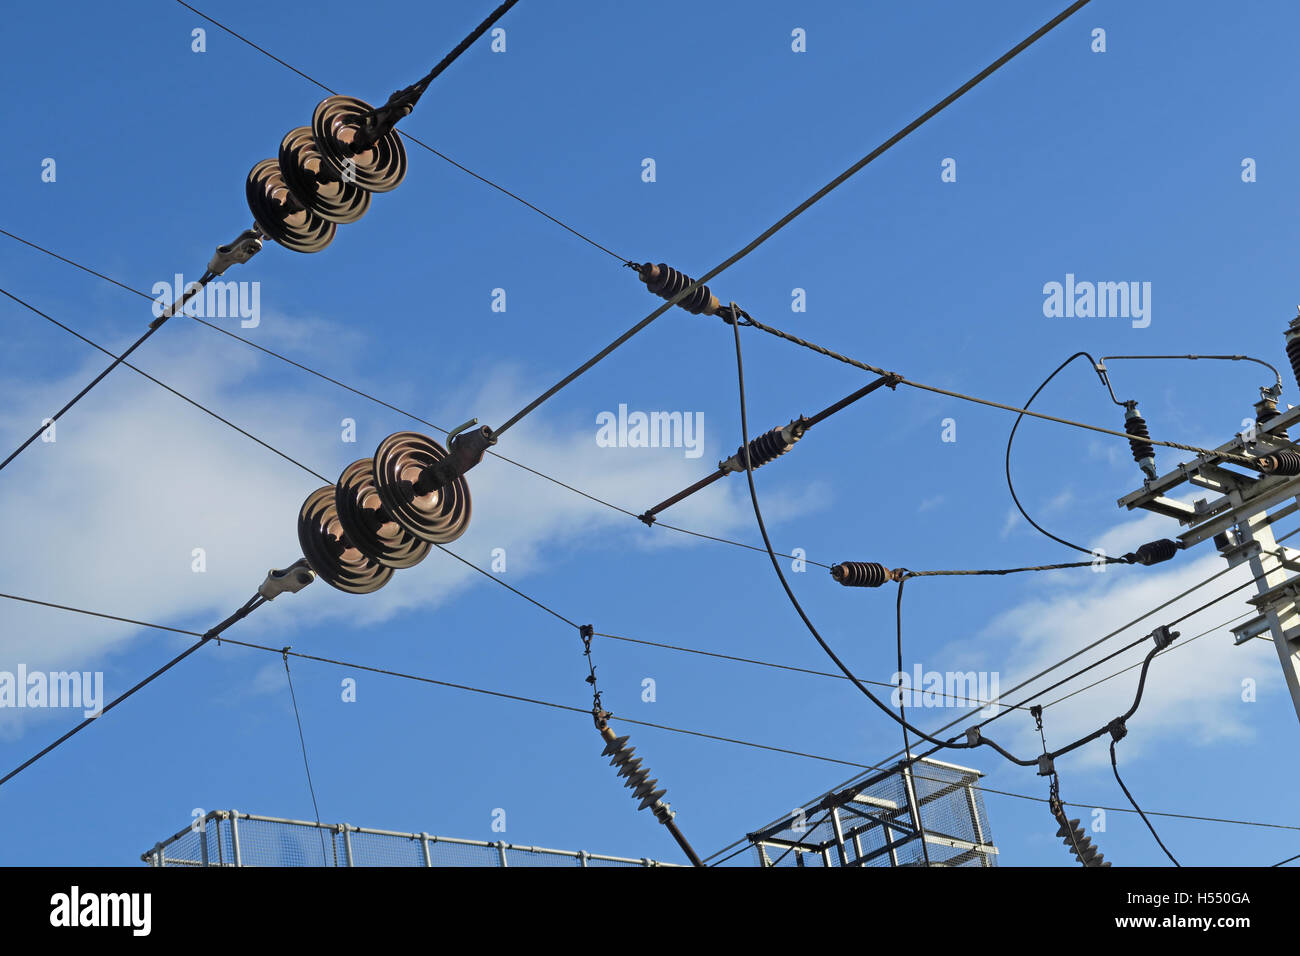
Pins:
<point x="231" y="838"/>
<point x="875" y="823"/>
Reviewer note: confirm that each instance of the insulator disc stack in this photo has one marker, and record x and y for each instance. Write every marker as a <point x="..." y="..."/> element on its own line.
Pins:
<point x="366" y="523"/>
<point x="281" y="215"/>
<point x="665" y="281"/>
<point x="861" y="574"/>
<point x="314" y="182"/>
<point x="335" y="125"/>
<point x="331" y="553"/>
<point x="320" y="178"/>
<point x="439" y="516"/>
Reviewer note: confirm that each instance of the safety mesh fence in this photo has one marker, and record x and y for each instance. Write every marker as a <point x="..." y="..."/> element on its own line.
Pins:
<point x="227" y="838"/>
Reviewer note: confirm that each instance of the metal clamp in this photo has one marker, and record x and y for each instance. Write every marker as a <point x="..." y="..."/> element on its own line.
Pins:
<point x="246" y="245"/>
<point x="291" y="580"/>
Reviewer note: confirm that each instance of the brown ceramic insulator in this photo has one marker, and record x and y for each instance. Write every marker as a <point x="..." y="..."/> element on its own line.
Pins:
<point x="313" y="182"/>
<point x="335" y="125"/>
<point x="439" y="516"/>
<point x="281" y="215"/>
<point x="329" y="551"/>
<point x="368" y="525"/>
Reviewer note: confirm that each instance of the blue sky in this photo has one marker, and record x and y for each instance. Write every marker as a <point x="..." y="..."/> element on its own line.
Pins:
<point x="1115" y="166"/>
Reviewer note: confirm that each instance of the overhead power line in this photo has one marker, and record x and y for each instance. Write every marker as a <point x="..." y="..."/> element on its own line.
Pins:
<point x="903" y="380"/>
<point x="378" y="401"/>
<point x="801" y="208"/>
<point x="249" y="243"/>
<point x="408" y="136"/>
<point x="201" y="407"/>
<point x="248" y="607"/>
<point x="583" y="711"/>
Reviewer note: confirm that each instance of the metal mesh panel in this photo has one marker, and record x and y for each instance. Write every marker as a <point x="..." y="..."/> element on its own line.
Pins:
<point x="876" y="824"/>
<point x="226" y="838"/>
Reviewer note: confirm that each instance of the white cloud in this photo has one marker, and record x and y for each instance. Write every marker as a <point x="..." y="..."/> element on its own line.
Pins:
<point x="107" y="517"/>
<point x="1193" y="693"/>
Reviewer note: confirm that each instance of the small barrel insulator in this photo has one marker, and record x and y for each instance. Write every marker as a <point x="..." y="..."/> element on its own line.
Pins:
<point x="1293" y="346"/>
<point x="860" y="574"/>
<point x="767" y="447"/>
<point x="1266" y="410"/>
<point x="1136" y="426"/>
<point x="1154" y="552"/>
<point x="665" y="281"/>
<point x="1280" y="463"/>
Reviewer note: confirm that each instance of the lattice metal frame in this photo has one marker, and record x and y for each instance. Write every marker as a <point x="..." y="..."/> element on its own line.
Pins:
<point x="874" y="823"/>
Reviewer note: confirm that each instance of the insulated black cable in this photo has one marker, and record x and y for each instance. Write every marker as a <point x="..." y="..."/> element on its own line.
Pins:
<point x="405" y="135"/>
<point x="252" y="605"/>
<point x="79" y="396"/>
<point x="1011" y="487"/>
<point x="902" y="713"/>
<point x="307" y="766"/>
<point x="1122" y="628"/>
<point x="388" y="405"/>
<point x="161" y="384"/>
<point x="758" y="515"/>
<point x="804" y="206"/>
<point x="1115" y="767"/>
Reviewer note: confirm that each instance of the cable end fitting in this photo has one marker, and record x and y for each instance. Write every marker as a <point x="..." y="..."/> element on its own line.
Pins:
<point x="1046" y="766"/>
<point x="246" y="245"/>
<point x="973" y="736"/>
<point x="291" y="580"/>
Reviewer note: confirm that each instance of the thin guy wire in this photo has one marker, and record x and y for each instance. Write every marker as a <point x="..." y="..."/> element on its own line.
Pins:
<point x="307" y="766"/>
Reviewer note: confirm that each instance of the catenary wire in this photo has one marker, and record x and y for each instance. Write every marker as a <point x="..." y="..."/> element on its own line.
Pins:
<point x="903" y="380"/>
<point x="400" y="411"/>
<point x="161" y="384"/>
<point x="306" y="765"/>
<point x="580" y="710"/>
<point x="962" y="717"/>
<point x="803" y="207"/>
<point x="251" y="605"/>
